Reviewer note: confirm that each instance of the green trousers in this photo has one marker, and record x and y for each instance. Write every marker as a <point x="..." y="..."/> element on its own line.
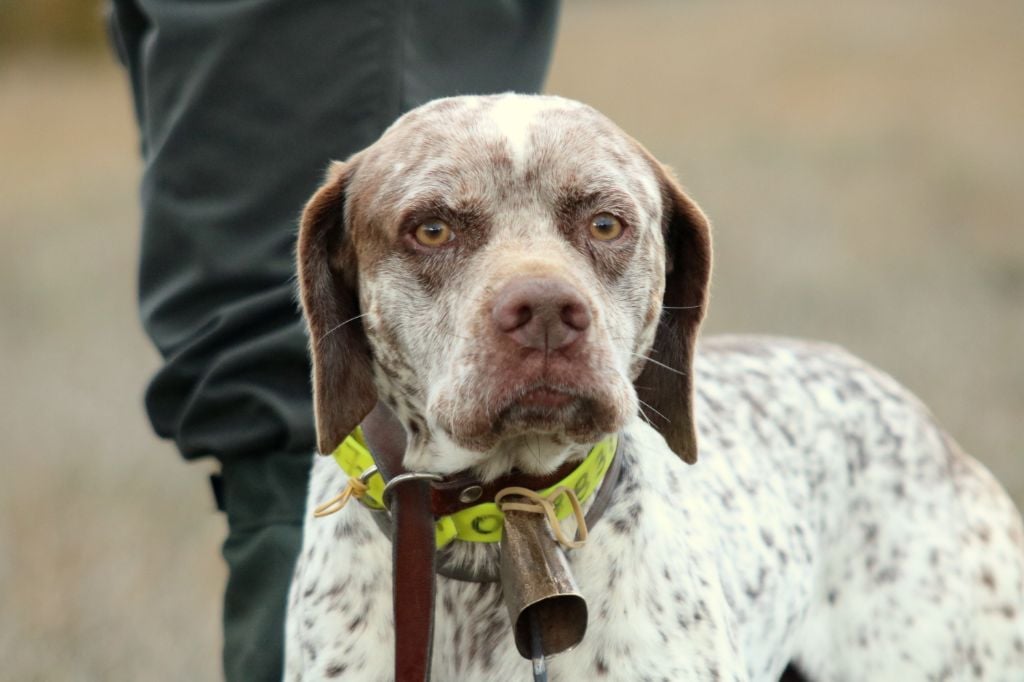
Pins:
<point x="241" y="104"/>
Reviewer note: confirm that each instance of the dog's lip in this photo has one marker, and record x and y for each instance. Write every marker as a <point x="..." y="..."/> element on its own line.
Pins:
<point x="544" y="396"/>
<point x="539" y="397"/>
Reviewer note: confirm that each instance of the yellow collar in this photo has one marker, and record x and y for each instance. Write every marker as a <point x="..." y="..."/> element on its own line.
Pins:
<point x="482" y="522"/>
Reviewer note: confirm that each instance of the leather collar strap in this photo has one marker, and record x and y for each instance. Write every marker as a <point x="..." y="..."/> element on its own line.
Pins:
<point x="413" y="554"/>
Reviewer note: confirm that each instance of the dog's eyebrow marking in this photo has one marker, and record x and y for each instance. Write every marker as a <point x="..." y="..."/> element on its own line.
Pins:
<point x="574" y="202"/>
<point x="514" y="117"/>
<point x="466" y="209"/>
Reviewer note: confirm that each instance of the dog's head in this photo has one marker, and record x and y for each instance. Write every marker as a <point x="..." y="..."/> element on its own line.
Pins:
<point x="513" y="275"/>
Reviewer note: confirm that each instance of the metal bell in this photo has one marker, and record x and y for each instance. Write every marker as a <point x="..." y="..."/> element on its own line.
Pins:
<point x="540" y="592"/>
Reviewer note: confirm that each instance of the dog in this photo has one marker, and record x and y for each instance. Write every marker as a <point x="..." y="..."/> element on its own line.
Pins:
<point x="517" y="279"/>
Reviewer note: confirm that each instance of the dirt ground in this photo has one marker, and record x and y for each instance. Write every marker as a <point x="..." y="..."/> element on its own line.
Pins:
<point x="862" y="164"/>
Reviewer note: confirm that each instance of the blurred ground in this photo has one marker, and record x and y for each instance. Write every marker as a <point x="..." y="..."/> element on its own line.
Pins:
<point x="862" y="164"/>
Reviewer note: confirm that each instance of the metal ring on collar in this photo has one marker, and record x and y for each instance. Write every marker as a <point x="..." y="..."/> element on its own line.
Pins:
<point x="402" y="478"/>
<point x="369" y="471"/>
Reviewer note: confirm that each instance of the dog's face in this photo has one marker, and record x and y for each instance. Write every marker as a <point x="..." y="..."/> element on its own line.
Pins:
<point x="494" y="269"/>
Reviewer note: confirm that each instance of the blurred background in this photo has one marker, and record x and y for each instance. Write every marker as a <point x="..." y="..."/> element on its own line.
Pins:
<point x="862" y="163"/>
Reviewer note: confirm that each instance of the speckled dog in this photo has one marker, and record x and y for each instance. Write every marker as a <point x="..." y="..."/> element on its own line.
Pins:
<point x="517" y="278"/>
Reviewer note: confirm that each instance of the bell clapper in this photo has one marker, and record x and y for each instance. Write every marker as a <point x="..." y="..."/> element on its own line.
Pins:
<point x="540" y="666"/>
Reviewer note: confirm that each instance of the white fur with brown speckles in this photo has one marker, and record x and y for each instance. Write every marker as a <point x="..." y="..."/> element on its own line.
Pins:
<point x="829" y="523"/>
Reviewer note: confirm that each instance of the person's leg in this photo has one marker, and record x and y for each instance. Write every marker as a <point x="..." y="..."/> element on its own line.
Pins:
<point x="241" y="104"/>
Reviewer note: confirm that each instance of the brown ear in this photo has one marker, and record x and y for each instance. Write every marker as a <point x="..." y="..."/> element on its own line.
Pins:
<point x="343" y="390"/>
<point x="669" y="392"/>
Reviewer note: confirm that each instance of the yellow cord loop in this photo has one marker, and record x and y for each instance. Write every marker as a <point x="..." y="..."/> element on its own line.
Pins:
<point x="545" y="504"/>
<point x="355" y="488"/>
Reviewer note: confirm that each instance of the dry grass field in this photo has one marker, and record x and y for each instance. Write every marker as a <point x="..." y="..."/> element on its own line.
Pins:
<point x="862" y="163"/>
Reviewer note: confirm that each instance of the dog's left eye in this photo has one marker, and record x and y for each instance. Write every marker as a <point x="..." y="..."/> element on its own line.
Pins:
<point x="434" y="233"/>
<point x="605" y="227"/>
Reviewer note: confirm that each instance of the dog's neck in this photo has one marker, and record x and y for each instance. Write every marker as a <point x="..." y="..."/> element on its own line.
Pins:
<point x="534" y="454"/>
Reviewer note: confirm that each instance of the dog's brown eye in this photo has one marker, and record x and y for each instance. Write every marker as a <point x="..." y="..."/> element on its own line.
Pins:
<point x="434" y="233"/>
<point x="605" y="227"/>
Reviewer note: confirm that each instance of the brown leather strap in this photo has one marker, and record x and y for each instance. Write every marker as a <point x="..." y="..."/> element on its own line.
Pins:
<point x="385" y="437"/>
<point x="413" y="562"/>
<point x="413" y="548"/>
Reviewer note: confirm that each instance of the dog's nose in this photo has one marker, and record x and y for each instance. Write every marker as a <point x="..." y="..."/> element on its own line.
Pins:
<point x="541" y="313"/>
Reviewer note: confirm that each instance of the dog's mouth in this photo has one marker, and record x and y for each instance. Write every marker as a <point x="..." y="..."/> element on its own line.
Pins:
<point x="539" y="406"/>
<point x="543" y="398"/>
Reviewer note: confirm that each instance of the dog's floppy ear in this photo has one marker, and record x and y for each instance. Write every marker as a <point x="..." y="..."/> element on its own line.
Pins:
<point x="669" y="392"/>
<point x="343" y="389"/>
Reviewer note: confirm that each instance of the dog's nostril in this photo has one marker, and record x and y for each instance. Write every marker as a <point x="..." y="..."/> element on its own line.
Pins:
<point x="511" y="317"/>
<point x="576" y="316"/>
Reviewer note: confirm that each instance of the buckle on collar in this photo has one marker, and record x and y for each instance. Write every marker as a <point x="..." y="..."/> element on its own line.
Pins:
<point x="389" y="488"/>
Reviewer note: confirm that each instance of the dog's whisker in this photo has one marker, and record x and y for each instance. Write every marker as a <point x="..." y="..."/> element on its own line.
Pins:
<point x="648" y="420"/>
<point x="681" y="307"/>
<point x="339" y="326"/>
<point x="659" y="364"/>
<point x="643" y="413"/>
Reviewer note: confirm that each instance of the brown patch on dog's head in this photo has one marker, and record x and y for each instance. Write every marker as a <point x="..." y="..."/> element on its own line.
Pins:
<point x="343" y="389"/>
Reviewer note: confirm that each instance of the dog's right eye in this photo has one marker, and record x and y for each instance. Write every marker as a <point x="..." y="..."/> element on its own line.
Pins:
<point x="605" y="227"/>
<point x="433" y="233"/>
